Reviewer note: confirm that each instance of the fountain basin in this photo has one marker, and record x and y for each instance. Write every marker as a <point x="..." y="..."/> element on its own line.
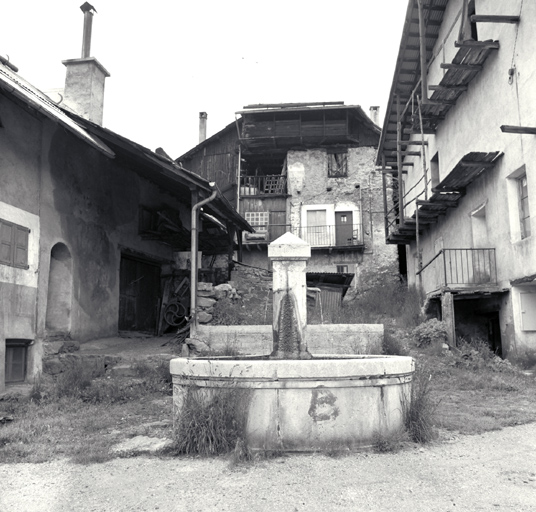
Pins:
<point x="328" y="403"/>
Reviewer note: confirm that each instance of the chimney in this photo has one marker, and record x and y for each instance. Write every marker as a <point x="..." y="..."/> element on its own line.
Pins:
<point x="202" y="126"/>
<point x="84" y="79"/>
<point x="375" y="115"/>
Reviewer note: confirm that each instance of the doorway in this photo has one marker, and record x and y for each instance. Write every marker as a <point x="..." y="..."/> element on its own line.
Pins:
<point x="139" y="294"/>
<point x="344" y="228"/>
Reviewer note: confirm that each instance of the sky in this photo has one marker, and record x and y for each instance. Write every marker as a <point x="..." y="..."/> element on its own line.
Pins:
<point x="171" y="59"/>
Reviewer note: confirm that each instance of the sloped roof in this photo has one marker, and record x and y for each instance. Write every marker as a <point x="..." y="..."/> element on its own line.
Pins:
<point x="156" y="168"/>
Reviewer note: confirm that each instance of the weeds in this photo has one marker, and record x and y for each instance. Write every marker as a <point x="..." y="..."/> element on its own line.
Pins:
<point x="392" y="442"/>
<point x="213" y="422"/>
<point x="430" y="333"/>
<point x="394" y="344"/>
<point x="419" y="413"/>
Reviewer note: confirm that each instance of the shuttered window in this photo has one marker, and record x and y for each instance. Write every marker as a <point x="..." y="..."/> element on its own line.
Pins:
<point x="13" y="244"/>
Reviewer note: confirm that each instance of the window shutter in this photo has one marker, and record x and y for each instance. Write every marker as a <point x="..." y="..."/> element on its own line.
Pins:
<point x="6" y="242"/>
<point x="21" y="247"/>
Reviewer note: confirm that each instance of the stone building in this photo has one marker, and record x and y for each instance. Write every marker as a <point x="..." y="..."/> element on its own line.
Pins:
<point x="308" y="169"/>
<point x="459" y="136"/>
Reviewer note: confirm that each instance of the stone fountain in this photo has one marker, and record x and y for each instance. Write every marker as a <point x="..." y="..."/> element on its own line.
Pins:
<point x="299" y="401"/>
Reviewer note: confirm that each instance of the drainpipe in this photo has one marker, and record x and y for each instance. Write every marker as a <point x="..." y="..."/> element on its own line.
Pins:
<point x="193" y="259"/>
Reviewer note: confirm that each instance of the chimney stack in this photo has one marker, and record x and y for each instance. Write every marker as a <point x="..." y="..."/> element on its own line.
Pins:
<point x="375" y="115"/>
<point x="202" y="126"/>
<point x="84" y="79"/>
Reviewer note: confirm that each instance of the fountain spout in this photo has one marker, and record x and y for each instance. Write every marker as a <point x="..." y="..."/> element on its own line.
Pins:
<point x="289" y="255"/>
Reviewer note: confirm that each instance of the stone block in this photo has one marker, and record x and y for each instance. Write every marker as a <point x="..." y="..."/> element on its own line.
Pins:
<point x="205" y="302"/>
<point x="205" y="287"/>
<point x="69" y="346"/>
<point x="204" y="318"/>
<point x="52" y="366"/>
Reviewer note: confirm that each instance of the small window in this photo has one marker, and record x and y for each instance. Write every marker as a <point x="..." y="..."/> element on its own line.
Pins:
<point x="258" y="220"/>
<point x="13" y="244"/>
<point x="16" y="350"/>
<point x="524" y="215"/>
<point x="338" y="164"/>
<point x="342" y="269"/>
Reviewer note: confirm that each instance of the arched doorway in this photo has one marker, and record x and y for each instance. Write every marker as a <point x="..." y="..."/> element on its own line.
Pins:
<point x="60" y="291"/>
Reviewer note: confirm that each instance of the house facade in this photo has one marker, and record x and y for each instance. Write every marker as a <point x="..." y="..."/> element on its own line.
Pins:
<point x="90" y="223"/>
<point x="459" y="138"/>
<point x="308" y="169"/>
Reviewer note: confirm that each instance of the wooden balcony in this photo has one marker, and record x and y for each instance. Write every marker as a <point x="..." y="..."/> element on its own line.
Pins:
<point x="273" y="184"/>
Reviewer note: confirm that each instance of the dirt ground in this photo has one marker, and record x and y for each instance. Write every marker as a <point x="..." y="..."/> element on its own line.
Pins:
<point x="493" y="471"/>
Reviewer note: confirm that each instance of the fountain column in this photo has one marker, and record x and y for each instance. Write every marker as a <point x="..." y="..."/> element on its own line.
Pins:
<point x="289" y="255"/>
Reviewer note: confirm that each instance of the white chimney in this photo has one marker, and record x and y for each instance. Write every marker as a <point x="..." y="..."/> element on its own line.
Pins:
<point x="202" y="126"/>
<point x="84" y="79"/>
<point x="375" y="115"/>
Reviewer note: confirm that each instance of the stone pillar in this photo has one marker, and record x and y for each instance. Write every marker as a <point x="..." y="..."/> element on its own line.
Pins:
<point x="447" y="315"/>
<point x="289" y="255"/>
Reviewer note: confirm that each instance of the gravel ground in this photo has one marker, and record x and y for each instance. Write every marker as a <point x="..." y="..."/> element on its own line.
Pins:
<point x="493" y="471"/>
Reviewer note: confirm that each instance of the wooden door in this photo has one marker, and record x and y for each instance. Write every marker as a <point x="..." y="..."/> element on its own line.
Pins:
<point x="344" y="228"/>
<point x="139" y="293"/>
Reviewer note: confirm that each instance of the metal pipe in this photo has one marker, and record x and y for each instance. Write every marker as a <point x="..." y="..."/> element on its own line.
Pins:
<point x="88" y="11"/>
<point x="193" y="259"/>
<point x="422" y="43"/>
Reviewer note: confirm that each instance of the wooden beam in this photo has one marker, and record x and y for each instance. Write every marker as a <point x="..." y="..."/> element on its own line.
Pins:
<point x="465" y="163"/>
<point x="524" y="130"/>
<point x="490" y="18"/>
<point x="491" y="45"/>
<point x="468" y="67"/>
<point x="413" y="142"/>
<point x="447" y="87"/>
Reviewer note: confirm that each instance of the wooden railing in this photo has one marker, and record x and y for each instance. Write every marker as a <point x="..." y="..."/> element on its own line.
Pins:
<point x="462" y="267"/>
<point x="263" y="185"/>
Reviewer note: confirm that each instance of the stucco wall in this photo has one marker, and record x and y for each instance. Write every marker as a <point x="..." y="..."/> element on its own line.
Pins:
<point x="473" y="125"/>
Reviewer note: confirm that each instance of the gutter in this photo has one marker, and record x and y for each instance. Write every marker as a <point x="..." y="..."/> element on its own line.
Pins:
<point x="193" y="259"/>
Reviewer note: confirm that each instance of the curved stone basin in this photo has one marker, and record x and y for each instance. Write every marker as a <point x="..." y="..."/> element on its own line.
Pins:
<point x="328" y="403"/>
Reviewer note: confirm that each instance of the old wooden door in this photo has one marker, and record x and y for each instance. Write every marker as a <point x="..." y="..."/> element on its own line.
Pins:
<point x="139" y="292"/>
<point x="344" y="228"/>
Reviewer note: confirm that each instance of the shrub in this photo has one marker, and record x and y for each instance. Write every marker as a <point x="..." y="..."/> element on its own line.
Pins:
<point x="213" y="422"/>
<point x="432" y="332"/>
<point x="394" y="344"/>
<point x="384" y="443"/>
<point x="419" y="413"/>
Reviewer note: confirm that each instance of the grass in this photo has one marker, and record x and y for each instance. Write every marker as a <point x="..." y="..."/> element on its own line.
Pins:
<point x="213" y="423"/>
<point x="80" y="417"/>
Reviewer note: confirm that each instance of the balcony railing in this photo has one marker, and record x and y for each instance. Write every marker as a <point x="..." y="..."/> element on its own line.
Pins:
<point x="263" y="185"/>
<point x="460" y="268"/>
<point x="332" y="235"/>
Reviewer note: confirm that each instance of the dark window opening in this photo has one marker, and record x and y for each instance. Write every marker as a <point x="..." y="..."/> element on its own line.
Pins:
<point x="16" y="355"/>
<point x="342" y="269"/>
<point x="337" y="165"/>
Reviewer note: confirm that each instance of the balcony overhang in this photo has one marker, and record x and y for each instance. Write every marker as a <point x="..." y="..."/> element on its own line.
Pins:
<point x="445" y="195"/>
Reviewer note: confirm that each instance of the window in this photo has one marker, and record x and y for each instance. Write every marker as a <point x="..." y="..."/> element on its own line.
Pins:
<point x="16" y="350"/>
<point x="13" y="244"/>
<point x="337" y="164"/>
<point x="434" y="170"/>
<point x="342" y="269"/>
<point x="524" y="215"/>
<point x="258" y="220"/>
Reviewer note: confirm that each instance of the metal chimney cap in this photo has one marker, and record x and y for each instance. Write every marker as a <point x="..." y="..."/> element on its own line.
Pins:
<point x="87" y="7"/>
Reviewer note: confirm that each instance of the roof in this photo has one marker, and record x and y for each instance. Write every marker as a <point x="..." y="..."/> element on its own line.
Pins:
<point x="156" y="168"/>
<point x="407" y="71"/>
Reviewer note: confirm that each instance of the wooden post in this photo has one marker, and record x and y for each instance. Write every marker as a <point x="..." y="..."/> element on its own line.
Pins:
<point x="447" y="315"/>
<point x="399" y="163"/>
<point x="422" y="46"/>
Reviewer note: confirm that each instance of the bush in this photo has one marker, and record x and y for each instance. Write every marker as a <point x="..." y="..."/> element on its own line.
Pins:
<point x="213" y="422"/>
<point x="432" y="332"/>
<point x="394" y="344"/>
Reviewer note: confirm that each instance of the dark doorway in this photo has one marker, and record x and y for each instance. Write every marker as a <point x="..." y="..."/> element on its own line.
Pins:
<point x="344" y="228"/>
<point x="494" y="333"/>
<point x="139" y="293"/>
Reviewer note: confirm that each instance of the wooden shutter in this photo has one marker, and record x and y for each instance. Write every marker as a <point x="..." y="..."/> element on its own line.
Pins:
<point x="20" y="253"/>
<point x="6" y="242"/>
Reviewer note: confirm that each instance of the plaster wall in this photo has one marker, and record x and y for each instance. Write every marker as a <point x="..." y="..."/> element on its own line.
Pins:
<point x="91" y="204"/>
<point x="473" y="125"/>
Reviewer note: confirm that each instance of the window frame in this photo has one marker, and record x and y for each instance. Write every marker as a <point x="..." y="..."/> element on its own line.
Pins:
<point x="15" y="245"/>
<point x="524" y="210"/>
<point x="338" y="163"/>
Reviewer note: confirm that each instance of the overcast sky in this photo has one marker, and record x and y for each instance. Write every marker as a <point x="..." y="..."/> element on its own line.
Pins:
<point x="171" y="59"/>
